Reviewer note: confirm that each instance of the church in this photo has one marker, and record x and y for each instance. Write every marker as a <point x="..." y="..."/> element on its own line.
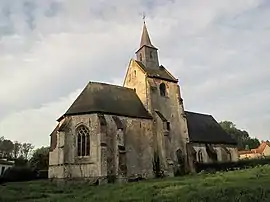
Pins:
<point x="123" y="131"/>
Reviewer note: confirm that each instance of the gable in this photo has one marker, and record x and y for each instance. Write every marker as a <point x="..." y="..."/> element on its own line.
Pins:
<point x="134" y="73"/>
<point x="108" y="99"/>
<point x="204" y="128"/>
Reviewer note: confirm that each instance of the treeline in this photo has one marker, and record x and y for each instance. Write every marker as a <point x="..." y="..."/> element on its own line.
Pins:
<point x="29" y="164"/>
<point x="14" y="150"/>
<point x="244" y="141"/>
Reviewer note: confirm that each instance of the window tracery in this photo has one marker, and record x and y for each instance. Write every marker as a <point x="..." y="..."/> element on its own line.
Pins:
<point x="83" y="141"/>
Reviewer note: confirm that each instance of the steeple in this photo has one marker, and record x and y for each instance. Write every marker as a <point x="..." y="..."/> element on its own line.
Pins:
<point x="145" y="39"/>
<point x="147" y="53"/>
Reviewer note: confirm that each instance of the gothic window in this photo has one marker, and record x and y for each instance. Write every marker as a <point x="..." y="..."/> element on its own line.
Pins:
<point x="83" y="141"/>
<point x="162" y="89"/>
<point x="200" y="156"/>
<point x="140" y="57"/>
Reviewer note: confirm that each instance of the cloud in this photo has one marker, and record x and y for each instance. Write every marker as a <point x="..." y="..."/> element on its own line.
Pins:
<point x="51" y="49"/>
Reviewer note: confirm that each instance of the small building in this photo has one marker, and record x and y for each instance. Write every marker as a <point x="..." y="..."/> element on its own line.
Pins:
<point x="4" y="165"/>
<point x="261" y="152"/>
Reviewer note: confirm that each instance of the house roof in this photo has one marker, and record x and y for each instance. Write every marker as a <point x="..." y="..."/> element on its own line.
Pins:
<point x="159" y="72"/>
<point x="203" y="128"/>
<point x="108" y="99"/>
<point x="261" y="147"/>
<point x="245" y="152"/>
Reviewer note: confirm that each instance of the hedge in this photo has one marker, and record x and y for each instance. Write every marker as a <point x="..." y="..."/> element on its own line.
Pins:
<point x="226" y="166"/>
<point x="17" y="174"/>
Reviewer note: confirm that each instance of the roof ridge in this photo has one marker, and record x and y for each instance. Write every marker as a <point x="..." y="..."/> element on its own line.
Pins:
<point x="198" y="113"/>
<point x="108" y="84"/>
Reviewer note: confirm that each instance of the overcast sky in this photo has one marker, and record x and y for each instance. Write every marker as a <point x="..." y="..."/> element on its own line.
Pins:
<point x="50" y="49"/>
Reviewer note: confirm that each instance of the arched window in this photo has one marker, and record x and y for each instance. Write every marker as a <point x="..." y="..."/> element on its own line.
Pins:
<point x="140" y="57"/>
<point x="200" y="156"/>
<point x="134" y="73"/>
<point x="162" y="89"/>
<point x="83" y="141"/>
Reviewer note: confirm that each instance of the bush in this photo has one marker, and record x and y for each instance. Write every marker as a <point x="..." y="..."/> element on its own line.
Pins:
<point x="42" y="174"/>
<point x="226" y="166"/>
<point x="17" y="174"/>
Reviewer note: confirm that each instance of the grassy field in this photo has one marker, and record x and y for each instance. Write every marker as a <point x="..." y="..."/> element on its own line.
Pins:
<point x="244" y="185"/>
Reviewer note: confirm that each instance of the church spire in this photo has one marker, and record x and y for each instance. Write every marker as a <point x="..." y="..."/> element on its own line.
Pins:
<point x="145" y="39"/>
<point x="147" y="53"/>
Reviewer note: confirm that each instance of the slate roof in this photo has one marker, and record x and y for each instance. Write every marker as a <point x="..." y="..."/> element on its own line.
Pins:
<point x="203" y="128"/>
<point x="159" y="72"/>
<point x="108" y="99"/>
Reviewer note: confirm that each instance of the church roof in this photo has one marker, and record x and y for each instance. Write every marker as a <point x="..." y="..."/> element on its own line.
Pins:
<point x="108" y="99"/>
<point x="203" y="128"/>
<point x="160" y="72"/>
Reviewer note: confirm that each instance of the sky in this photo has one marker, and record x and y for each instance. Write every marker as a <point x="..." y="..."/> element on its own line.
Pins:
<point x="50" y="49"/>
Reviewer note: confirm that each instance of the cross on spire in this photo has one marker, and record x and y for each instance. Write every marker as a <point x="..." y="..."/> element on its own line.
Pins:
<point x="143" y="17"/>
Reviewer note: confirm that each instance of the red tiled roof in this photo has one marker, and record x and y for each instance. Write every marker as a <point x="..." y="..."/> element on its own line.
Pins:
<point x="259" y="150"/>
<point x="245" y="152"/>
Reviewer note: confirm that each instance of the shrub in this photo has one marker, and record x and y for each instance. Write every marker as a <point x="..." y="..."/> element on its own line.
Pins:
<point x="227" y="166"/>
<point x="42" y="174"/>
<point x="17" y="174"/>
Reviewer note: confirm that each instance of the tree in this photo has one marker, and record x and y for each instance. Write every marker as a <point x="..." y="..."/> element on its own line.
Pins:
<point x="26" y="148"/>
<point x="40" y="159"/>
<point x="6" y="147"/>
<point x="16" y="149"/>
<point x="242" y="137"/>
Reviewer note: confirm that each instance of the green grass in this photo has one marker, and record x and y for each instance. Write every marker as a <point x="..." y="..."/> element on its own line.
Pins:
<point x="243" y="185"/>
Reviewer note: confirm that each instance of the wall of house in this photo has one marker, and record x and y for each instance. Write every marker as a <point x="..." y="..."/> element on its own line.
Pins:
<point x="266" y="151"/>
<point x="221" y="153"/>
<point x="250" y="156"/>
<point x="122" y="152"/>
<point x="3" y="168"/>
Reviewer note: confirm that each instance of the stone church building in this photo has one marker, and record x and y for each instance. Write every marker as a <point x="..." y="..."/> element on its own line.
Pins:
<point x="119" y="131"/>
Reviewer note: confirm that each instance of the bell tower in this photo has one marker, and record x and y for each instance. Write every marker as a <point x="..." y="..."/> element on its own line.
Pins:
<point x="147" y="53"/>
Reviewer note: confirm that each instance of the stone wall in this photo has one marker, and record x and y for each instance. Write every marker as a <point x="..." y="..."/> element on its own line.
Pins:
<point x="170" y="123"/>
<point x="119" y="146"/>
<point x="136" y="79"/>
<point x="222" y="155"/>
<point x="170" y="106"/>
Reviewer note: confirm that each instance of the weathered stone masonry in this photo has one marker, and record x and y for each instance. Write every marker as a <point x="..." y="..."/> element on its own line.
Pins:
<point x="112" y="132"/>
